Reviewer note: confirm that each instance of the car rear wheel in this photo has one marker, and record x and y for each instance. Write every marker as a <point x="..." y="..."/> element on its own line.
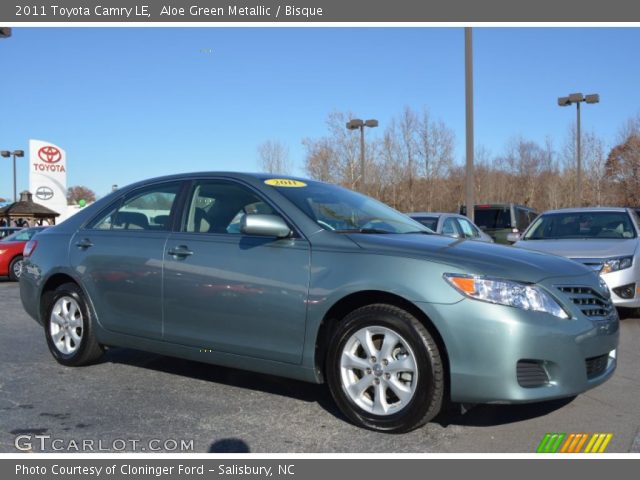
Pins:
<point x="384" y="369"/>
<point x="15" y="268"/>
<point x="69" y="327"/>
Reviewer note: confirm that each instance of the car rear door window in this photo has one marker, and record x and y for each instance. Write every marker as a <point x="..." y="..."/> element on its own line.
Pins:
<point x="493" y="218"/>
<point x="149" y="209"/>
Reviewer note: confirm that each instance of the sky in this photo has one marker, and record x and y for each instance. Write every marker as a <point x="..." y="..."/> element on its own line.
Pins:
<point x="135" y="103"/>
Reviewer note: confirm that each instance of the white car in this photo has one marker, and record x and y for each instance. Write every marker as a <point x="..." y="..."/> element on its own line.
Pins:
<point x="604" y="239"/>
<point x="451" y="225"/>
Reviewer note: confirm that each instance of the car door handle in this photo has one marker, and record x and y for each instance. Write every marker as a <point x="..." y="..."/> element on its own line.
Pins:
<point x="180" y="251"/>
<point x="84" y="243"/>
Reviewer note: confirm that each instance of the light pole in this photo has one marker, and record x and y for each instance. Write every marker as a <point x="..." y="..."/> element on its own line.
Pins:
<point x="15" y="153"/>
<point x="578" y="98"/>
<point x="354" y="125"/>
<point x="468" y="81"/>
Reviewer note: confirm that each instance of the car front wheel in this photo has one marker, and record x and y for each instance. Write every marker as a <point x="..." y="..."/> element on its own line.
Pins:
<point x="384" y="369"/>
<point x="69" y="328"/>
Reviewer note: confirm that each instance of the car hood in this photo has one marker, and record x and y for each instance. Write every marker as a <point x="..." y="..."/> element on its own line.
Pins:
<point x="582" y="248"/>
<point x="473" y="257"/>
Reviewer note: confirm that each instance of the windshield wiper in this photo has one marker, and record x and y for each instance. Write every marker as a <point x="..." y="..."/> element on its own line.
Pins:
<point x="363" y="230"/>
<point x="423" y="232"/>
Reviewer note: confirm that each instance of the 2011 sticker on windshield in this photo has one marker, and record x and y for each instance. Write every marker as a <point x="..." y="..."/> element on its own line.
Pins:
<point x="284" y="182"/>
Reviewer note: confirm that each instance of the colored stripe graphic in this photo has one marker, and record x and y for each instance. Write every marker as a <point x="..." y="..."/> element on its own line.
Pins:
<point x="598" y="443"/>
<point x="573" y="442"/>
<point x="550" y="443"/>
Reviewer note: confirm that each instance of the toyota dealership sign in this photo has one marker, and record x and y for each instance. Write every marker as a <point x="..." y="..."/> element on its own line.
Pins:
<point x="48" y="175"/>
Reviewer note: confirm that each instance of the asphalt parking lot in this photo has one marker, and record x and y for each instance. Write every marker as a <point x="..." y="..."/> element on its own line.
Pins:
<point x="149" y="402"/>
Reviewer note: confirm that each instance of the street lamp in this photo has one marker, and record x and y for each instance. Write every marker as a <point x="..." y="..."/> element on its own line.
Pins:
<point x="468" y="89"/>
<point x="355" y="124"/>
<point x="15" y="153"/>
<point x="578" y="98"/>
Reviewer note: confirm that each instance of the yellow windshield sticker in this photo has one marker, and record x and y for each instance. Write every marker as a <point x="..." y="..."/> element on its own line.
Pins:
<point x="284" y="182"/>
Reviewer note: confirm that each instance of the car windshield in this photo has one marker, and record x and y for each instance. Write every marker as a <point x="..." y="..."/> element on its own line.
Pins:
<point x="341" y="210"/>
<point x="23" y="235"/>
<point x="581" y="225"/>
<point x="429" y="222"/>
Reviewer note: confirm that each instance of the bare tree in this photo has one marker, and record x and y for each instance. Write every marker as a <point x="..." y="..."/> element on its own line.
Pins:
<point x="336" y="157"/>
<point x="274" y="157"/>
<point x="595" y="170"/>
<point x="623" y="170"/>
<point x="320" y="162"/>
<point x="412" y="166"/>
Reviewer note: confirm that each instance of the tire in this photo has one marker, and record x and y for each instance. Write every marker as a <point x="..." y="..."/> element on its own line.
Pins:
<point x="68" y="327"/>
<point x="15" y="268"/>
<point x="407" y="369"/>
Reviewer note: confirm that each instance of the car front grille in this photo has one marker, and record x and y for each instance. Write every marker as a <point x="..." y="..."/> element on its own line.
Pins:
<point x="596" y="365"/>
<point x="531" y="374"/>
<point x="590" y="302"/>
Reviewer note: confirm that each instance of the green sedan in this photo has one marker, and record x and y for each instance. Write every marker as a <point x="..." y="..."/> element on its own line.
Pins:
<point x="311" y="281"/>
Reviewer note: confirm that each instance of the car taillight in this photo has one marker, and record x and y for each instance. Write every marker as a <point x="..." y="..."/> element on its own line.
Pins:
<point x="29" y="248"/>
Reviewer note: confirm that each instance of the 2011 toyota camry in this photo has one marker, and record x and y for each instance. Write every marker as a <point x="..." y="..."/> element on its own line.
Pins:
<point x="315" y="282"/>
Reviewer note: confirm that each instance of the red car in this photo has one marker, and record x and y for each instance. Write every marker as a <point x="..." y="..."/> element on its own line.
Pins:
<point x="11" y="252"/>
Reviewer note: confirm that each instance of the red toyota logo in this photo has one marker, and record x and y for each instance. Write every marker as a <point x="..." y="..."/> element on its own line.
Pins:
<point x="50" y="154"/>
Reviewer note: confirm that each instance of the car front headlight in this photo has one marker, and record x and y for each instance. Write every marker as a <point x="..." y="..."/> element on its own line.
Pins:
<point x="506" y="292"/>
<point x="615" y="264"/>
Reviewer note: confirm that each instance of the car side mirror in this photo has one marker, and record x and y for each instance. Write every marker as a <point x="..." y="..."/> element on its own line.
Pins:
<point x="513" y="237"/>
<point x="264" y="226"/>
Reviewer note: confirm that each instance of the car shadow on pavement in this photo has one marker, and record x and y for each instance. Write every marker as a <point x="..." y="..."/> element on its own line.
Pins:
<point x="274" y="385"/>
<point x="494" y="415"/>
<point x="229" y="445"/>
<point x="477" y="415"/>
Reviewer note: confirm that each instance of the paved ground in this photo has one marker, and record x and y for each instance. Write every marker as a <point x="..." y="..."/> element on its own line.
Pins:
<point x="133" y="396"/>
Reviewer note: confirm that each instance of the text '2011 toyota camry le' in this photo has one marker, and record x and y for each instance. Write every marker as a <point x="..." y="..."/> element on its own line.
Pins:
<point x="312" y="281"/>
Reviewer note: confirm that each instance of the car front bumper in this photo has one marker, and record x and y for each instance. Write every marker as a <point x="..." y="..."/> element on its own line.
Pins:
<point x="490" y="347"/>
<point x="629" y="277"/>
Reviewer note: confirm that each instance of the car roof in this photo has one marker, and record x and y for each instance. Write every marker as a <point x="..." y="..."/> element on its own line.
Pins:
<point x="434" y="214"/>
<point x="235" y="175"/>
<point x="502" y="205"/>
<point x="586" y="210"/>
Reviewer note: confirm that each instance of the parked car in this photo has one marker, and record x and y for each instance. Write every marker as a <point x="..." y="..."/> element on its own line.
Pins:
<point x="6" y="231"/>
<point x="11" y="248"/>
<point x="451" y="225"/>
<point x="501" y="219"/>
<point x="604" y="239"/>
<point x="312" y="281"/>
